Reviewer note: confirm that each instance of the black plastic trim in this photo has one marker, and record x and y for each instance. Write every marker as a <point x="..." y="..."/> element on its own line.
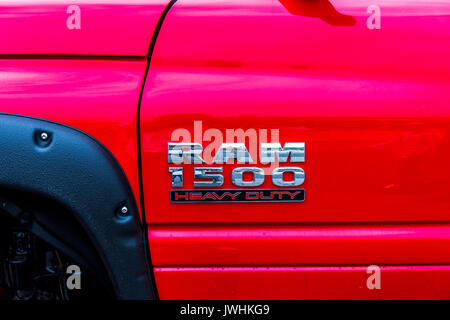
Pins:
<point x="75" y="170"/>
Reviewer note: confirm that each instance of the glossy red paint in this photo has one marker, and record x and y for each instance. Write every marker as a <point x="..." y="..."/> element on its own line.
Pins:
<point x="289" y="283"/>
<point x="372" y="107"/>
<point x="274" y="245"/>
<point x="97" y="97"/>
<point x="112" y="27"/>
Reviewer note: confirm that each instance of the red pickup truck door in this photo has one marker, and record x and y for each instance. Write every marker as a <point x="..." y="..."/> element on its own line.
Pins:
<point x="365" y="85"/>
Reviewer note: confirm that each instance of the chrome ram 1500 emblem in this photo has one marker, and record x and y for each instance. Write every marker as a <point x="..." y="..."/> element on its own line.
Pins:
<point x="227" y="153"/>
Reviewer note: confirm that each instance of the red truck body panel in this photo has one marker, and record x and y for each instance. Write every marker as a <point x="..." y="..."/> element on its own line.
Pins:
<point x="98" y="94"/>
<point x="112" y="27"/>
<point x="97" y="97"/>
<point x="300" y="245"/>
<point x="287" y="283"/>
<point x="372" y="107"/>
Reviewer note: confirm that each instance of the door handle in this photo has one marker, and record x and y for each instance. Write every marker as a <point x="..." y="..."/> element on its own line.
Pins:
<point x="322" y="9"/>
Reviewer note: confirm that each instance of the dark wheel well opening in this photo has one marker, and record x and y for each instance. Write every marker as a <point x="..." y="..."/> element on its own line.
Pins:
<point x="39" y="240"/>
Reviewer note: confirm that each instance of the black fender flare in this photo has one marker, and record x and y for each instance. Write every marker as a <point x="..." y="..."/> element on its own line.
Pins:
<point x="78" y="172"/>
